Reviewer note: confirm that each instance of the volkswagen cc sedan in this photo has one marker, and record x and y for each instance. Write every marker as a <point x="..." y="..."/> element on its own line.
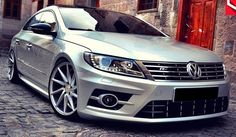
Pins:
<point x="96" y="63"/>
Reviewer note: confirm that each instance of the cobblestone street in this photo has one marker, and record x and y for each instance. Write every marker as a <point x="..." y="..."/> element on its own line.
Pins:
<point x="24" y="112"/>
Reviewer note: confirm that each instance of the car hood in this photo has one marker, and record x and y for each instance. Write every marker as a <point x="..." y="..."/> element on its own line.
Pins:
<point x="141" y="47"/>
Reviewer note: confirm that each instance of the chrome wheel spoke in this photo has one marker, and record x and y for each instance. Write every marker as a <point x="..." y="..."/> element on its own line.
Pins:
<point x="65" y="103"/>
<point x="60" y="98"/>
<point x="10" y="72"/>
<point x="58" y="81"/>
<point x="73" y="81"/>
<point x="71" y="102"/>
<point x="73" y="88"/>
<point x="62" y="75"/>
<point x="68" y="73"/>
<point x="69" y="106"/>
<point x="74" y="94"/>
<point x="58" y="90"/>
<point x="11" y="60"/>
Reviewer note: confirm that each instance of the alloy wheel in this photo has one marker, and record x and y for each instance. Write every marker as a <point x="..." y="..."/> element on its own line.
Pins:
<point x="63" y="89"/>
<point x="11" y="66"/>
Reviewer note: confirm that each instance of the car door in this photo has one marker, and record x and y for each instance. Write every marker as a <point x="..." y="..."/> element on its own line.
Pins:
<point x="22" y="41"/>
<point x="43" y="49"/>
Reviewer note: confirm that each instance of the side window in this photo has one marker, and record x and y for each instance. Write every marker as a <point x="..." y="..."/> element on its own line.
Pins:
<point x="33" y="20"/>
<point x="48" y="17"/>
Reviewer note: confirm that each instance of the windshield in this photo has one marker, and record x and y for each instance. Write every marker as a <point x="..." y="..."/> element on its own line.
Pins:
<point x="89" y="19"/>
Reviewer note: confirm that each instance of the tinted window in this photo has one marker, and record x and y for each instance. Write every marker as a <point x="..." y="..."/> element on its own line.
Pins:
<point x="33" y="20"/>
<point x="105" y="21"/>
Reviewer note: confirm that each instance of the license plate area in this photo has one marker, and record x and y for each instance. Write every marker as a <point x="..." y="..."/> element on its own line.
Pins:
<point x="190" y="94"/>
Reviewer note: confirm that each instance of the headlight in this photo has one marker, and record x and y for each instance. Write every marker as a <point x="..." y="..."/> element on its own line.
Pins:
<point x="225" y="72"/>
<point x="113" y="64"/>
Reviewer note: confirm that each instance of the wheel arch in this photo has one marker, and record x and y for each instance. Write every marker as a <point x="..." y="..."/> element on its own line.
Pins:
<point x="58" y="58"/>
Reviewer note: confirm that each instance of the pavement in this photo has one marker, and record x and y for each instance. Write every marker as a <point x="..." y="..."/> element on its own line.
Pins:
<point x="24" y="113"/>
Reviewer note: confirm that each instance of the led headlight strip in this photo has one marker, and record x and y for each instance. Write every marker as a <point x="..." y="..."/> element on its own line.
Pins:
<point x="113" y="64"/>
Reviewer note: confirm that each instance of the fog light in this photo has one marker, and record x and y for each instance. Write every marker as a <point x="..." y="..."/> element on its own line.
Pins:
<point x="108" y="100"/>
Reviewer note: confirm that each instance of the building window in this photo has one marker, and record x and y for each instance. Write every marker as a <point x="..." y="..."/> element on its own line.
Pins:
<point x="51" y="2"/>
<point x="95" y="3"/>
<point x="40" y="4"/>
<point x="147" y="4"/>
<point x="12" y="9"/>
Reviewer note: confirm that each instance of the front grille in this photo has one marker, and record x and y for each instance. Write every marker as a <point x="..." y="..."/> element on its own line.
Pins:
<point x="178" y="71"/>
<point x="170" y="109"/>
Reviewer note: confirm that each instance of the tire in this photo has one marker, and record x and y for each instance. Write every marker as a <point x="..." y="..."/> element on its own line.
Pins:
<point x="12" y="73"/>
<point x="63" y="93"/>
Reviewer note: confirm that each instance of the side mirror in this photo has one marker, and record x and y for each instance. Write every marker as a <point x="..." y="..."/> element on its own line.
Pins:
<point x="42" y="28"/>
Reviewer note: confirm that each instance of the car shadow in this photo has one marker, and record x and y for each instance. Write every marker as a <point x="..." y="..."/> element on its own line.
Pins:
<point x="174" y="127"/>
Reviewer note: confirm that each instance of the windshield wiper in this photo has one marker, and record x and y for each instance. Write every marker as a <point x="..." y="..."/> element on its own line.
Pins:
<point x="80" y="29"/>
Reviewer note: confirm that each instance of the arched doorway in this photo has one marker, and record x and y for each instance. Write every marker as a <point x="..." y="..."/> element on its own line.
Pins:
<point x="40" y="4"/>
<point x="51" y="2"/>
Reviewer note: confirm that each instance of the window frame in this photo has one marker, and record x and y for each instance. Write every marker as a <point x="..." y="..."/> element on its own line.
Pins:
<point x="12" y="10"/>
<point x="26" y="26"/>
<point x="147" y="10"/>
<point x="97" y="3"/>
<point x="41" y="12"/>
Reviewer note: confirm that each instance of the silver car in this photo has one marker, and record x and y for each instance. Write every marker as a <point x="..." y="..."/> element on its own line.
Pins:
<point x="95" y="63"/>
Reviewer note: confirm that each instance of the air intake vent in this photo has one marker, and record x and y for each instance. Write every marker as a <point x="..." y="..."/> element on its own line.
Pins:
<point x="170" y="109"/>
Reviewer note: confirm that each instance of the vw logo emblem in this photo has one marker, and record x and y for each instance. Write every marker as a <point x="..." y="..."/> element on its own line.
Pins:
<point x="194" y="70"/>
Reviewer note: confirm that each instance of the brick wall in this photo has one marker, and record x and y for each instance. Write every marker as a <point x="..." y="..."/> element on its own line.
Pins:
<point x="65" y="2"/>
<point x="1" y="15"/>
<point x="225" y="36"/>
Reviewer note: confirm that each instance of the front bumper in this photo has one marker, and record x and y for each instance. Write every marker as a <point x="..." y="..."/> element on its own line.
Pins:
<point x="142" y="92"/>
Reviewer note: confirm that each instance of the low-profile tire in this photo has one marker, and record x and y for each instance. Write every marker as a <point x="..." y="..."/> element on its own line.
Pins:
<point x="12" y="73"/>
<point x="63" y="93"/>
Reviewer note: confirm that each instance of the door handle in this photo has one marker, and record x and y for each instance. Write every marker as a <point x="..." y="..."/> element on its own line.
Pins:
<point x="29" y="46"/>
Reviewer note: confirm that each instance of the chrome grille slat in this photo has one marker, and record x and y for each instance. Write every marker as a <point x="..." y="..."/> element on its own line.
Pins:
<point x="211" y="67"/>
<point x="211" y="71"/>
<point x="178" y="71"/>
<point x="168" y="71"/>
<point x="155" y="66"/>
<point x="166" y="76"/>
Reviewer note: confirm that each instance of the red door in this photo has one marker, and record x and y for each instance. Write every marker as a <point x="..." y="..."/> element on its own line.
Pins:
<point x="197" y="22"/>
